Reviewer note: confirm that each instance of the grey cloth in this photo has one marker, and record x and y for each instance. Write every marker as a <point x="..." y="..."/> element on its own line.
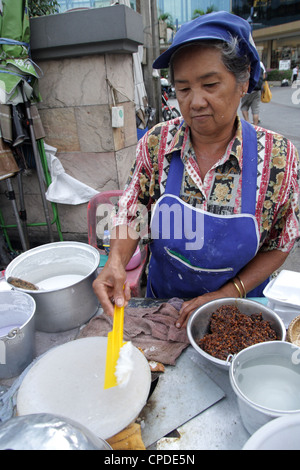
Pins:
<point x="150" y="328"/>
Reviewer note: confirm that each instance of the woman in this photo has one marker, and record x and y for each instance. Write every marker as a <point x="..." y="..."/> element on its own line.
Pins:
<point x="225" y="194"/>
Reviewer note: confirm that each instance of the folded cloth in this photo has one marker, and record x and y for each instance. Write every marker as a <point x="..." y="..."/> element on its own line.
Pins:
<point x="128" y="439"/>
<point x="150" y="328"/>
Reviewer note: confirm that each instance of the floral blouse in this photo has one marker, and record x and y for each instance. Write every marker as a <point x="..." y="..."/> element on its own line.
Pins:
<point x="277" y="196"/>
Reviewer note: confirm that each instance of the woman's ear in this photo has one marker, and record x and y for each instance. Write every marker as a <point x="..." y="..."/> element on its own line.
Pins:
<point x="244" y="88"/>
<point x="245" y="85"/>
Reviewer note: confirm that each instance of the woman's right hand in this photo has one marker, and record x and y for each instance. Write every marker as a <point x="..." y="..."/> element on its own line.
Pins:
<point x="111" y="288"/>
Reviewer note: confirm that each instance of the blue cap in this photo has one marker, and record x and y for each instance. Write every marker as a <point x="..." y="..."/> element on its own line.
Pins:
<point x="218" y="25"/>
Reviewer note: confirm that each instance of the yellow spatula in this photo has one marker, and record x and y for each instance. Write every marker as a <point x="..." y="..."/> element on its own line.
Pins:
<point x="114" y="344"/>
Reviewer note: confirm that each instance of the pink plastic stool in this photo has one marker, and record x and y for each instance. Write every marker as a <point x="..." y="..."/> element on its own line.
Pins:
<point x="134" y="276"/>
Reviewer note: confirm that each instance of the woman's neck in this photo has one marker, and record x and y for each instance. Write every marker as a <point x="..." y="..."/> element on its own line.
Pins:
<point x="209" y="151"/>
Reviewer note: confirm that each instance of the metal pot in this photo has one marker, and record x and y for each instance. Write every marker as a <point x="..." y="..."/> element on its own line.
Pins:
<point x="266" y="380"/>
<point x="64" y="273"/>
<point x="17" y="333"/>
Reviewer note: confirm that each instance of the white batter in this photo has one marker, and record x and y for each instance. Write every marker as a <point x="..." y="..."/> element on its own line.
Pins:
<point x="69" y="381"/>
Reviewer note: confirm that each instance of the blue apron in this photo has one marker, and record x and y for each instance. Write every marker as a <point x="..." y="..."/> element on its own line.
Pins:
<point x="193" y="251"/>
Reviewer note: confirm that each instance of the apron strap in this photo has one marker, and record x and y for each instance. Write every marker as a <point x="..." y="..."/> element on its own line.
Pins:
<point x="174" y="179"/>
<point x="250" y="158"/>
<point x="249" y="178"/>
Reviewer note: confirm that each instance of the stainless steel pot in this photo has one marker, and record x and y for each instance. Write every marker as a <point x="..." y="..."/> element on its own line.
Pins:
<point x="64" y="273"/>
<point x="266" y="378"/>
<point x="17" y="333"/>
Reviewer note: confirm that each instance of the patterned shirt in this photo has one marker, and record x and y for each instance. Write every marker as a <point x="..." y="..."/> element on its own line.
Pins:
<point x="277" y="195"/>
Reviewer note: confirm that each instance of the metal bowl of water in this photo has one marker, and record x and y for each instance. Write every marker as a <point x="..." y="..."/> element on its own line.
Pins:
<point x="266" y="380"/>
<point x="64" y="273"/>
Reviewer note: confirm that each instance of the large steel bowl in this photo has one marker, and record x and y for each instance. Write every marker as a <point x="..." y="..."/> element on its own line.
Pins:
<point x="64" y="273"/>
<point x="198" y="324"/>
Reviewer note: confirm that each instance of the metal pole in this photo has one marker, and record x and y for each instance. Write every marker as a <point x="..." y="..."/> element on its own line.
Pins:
<point x="11" y="196"/>
<point x="22" y="211"/>
<point x="39" y="167"/>
<point x="4" y="257"/>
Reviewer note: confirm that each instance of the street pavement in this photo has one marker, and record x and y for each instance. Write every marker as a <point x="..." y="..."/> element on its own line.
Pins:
<point x="281" y="115"/>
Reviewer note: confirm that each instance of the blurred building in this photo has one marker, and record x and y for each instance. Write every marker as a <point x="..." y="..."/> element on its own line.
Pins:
<point x="65" y="5"/>
<point x="275" y="23"/>
<point x="182" y="11"/>
<point x="276" y="29"/>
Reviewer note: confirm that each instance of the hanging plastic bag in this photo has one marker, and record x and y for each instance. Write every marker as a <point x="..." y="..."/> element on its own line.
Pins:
<point x="65" y="189"/>
<point x="266" y="94"/>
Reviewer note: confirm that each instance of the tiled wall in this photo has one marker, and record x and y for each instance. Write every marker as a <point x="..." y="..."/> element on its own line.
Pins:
<point x="76" y="114"/>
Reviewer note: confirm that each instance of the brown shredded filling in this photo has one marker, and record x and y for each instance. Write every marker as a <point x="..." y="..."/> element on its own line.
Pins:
<point x="230" y="331"/>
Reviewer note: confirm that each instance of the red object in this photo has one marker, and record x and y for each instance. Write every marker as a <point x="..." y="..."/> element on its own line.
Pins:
<point x="134" y="276"/>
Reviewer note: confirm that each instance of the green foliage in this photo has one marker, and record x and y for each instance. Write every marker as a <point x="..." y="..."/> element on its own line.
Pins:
<point x="278" y="75"/>
<point x="167" y="18"/>
<point x="202" y="12"/>
<point x="42" y="7"/>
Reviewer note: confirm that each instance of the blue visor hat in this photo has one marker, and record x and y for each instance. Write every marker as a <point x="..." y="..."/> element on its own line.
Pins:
<point x="219" y="25"/>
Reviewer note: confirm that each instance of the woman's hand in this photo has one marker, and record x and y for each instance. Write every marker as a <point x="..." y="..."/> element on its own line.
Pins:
<point x="253" y="274"/>
<point x="110" y="286"/>
<point x="190" y="306"/>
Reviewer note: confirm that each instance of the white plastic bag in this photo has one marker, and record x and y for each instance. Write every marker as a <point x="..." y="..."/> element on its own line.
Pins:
<point x="65" y="189"/>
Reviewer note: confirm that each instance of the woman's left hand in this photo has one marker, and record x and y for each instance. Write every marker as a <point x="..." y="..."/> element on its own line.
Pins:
<point x="253" y="274"/>
<point x="190" y="306"/>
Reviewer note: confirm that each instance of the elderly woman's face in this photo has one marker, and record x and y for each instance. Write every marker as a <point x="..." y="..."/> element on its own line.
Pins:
<point x="207" y="93"/>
